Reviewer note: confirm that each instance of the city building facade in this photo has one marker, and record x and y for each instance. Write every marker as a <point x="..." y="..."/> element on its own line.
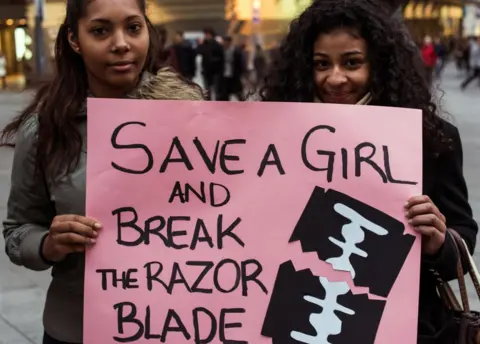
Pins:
<point x="437" y="17"/>
<point x="471" y="20"/>
<point x="251" y="20"/>
<point x="17" y="25"/>
<point x="14" y="39"/>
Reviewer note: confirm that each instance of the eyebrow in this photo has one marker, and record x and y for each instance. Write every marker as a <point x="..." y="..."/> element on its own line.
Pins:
<point x="106" y="21"/>
<point x="348" y="53"/>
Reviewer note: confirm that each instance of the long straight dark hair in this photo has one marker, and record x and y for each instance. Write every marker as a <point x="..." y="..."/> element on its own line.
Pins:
<point x="57" y="103"/>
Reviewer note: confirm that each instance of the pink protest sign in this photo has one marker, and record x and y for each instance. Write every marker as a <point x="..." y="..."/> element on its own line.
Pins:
<point x="251" y="223"/>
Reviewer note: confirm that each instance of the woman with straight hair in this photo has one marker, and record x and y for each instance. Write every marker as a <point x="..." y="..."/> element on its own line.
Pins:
<point x="104" y="49"/>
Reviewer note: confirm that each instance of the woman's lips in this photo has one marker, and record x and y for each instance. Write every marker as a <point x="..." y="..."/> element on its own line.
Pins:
<point x="337" y="98"/>
<point x="122" y="66"/>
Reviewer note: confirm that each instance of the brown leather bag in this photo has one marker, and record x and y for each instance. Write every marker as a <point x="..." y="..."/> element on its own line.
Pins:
<point x="464" y="327"/>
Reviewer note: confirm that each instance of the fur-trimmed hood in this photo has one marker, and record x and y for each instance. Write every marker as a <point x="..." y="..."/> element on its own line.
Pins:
<point x="165" y="85"/>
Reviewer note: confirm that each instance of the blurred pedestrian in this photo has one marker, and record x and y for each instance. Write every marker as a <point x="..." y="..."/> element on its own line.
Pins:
<point x="213" y="61"/>
<point x="429" y="58"/>
<point x="260" y="64"/>
<point x="233" y="70"/>
<point x="451" y="44"/>
<point x="466" y="54"/>
<point x="3" y="70"/>
<point x="27" y="71"/>
<point x="274" y="51"/>
<point x="46" y="225"/>
<point x="474" y="63"/>
<point x="458" y="55"/>
<point x="164" y="52"/>
<point x="353" y="52"/>
<point x="441" y="50"/>
<point x="185" y="56"/>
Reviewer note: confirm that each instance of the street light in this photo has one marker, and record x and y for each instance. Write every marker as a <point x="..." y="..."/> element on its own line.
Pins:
<point x="256" y="15"/>
<point x="256" y="7"/>
<point x="39" y="41"/>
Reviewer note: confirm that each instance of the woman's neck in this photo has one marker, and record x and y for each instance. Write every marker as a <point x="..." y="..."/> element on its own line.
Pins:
<point x="101" y="90"/>
<point x="365" y="100"/>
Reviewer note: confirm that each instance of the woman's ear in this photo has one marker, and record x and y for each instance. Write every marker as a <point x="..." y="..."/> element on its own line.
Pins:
<point x="73" y="42"/>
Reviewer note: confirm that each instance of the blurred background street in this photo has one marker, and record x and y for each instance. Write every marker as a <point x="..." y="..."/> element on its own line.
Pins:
<point x="193" y="33"/>
<point x="22" y="292"/>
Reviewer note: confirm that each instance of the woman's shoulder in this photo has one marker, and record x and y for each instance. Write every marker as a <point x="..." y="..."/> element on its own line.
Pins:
<point x="448" y="127"/>
<point x="167" y="85"/>
<point x="452" y="137"/>
<point x="448" y="151"/>
<point x="25" y="138"/>
<point x="28" y="129"/>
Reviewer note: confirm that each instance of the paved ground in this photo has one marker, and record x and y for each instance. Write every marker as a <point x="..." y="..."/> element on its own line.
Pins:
<point x="22" y="292"/>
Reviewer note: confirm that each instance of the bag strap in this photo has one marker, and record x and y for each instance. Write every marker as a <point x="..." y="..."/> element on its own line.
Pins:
<point x="474" y="271"/>
<point x="463" y="258"/>
<point x="446" y="293"/>
<point x="468" y="261"/>
<point x="444" y="288"/>
<point x="460" y="272"/>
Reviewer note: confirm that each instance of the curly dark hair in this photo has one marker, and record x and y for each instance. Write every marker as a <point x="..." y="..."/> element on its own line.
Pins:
<point x="397" y="74"/>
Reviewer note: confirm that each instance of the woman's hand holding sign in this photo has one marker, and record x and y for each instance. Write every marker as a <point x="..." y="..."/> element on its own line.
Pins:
<point x="69" y="234"/>
<point x="427" y="220"/>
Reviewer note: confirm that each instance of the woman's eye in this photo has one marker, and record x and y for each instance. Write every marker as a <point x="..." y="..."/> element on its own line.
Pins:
<point x="99" y="31"/>
<point x="321" y="64"/>
<point x="134" y="28"/>
<point x="354" y="63"/>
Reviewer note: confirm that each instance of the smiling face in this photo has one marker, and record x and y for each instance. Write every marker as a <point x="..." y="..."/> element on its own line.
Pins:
<point x="113" y="40"/>
<point x="342" y="71"/>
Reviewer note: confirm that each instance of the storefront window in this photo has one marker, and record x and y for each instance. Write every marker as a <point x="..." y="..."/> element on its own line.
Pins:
<point x="14" y="42"/>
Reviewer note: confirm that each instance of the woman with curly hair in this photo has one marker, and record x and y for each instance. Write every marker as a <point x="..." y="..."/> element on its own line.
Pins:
<point x="354" y="52"/>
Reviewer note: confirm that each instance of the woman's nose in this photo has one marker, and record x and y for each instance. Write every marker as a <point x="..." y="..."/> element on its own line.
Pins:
<point x="120" y="44"/>
<point x="337" y="77"/>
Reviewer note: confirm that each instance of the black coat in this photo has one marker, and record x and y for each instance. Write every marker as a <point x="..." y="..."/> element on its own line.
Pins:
<point x="185" y="55"/>
<point x="213" y="57"/>
<point x="238" y="70"/>
<point x="239" y="63"/>
<point x="444" y="183"/>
